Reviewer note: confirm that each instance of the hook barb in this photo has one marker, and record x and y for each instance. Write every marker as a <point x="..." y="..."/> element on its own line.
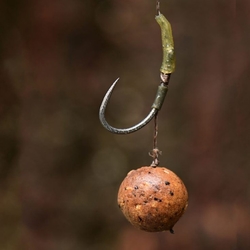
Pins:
<point x="159" y="99"/>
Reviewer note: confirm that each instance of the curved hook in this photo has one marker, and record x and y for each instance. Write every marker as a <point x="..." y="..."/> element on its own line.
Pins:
<point x="167" y="67"/>
<point x="159" y="99"/>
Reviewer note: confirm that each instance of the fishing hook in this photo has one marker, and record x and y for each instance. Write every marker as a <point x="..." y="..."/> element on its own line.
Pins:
<point x="167" y="67"/>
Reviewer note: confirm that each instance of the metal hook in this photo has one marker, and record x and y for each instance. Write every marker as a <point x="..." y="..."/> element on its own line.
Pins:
<point x="159" y="99"/>
<point x="167" y="67"/>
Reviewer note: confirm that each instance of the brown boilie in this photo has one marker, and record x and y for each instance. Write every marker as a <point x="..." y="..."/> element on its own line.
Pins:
<point x="152" y="198"/>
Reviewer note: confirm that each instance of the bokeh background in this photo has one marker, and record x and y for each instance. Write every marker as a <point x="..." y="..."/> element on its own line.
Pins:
<point x="60" y="169"/>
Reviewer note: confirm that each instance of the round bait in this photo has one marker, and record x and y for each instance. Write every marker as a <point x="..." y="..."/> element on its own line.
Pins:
<point x="152" y="198"/>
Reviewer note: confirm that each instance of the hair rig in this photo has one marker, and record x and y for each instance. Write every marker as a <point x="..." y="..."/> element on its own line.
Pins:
<point x="152" y="198"/>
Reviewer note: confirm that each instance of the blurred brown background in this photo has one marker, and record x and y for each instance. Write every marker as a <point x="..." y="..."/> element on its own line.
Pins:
<point x="60" y="170"/>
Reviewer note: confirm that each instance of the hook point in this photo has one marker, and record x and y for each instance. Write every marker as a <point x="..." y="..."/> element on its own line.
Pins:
<point x="112" y="86"/>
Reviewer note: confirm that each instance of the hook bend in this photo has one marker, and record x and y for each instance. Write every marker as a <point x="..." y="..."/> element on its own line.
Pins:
<point x="160" y="96"/>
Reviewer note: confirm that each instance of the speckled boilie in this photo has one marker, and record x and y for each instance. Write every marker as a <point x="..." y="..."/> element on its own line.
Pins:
<point x="152" y="198"/>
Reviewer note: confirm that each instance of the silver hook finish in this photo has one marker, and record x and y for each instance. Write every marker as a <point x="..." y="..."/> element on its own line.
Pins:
<point x="159" y="99"/>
